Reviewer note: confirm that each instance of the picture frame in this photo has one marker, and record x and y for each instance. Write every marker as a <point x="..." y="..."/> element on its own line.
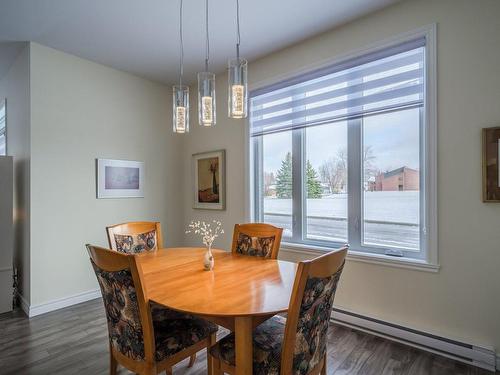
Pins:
<point x="119" y="178"/>
<point x="209" y="180"/>
<point x="491" y="165"/>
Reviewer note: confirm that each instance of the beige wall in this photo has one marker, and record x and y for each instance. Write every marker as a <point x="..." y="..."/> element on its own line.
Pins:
<point x="82" y="111"/>
<point x="15" y="87"/>
<point x="462" y="300"/>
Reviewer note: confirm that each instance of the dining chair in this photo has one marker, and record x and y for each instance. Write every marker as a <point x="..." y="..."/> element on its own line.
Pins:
<point x="296" y="344"/>
<point x="257" y="239"/>
<point x="138" y="237"/>
<point x="135" y="236"/>
<point x="142" y="339"/>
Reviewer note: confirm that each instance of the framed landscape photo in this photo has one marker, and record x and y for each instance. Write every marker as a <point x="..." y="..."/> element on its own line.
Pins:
<point x="120" y="178"/>
<point x="209" y="180"/>
<point x="491" y="167"/>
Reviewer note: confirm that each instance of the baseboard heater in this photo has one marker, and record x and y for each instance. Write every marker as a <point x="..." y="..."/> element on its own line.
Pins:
<point x="459" y="351"/>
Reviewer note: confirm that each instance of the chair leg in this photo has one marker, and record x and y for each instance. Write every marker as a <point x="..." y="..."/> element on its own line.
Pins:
<point x="323" y="369"/>
<point x="169" y="371"/>
<point x="211" y="370"/>
<point x="192" y="359"/>
<point x="112" y="363"/>
<point x="216" y="367"/>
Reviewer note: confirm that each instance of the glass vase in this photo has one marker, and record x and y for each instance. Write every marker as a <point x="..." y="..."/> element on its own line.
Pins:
<point x="208" y="259"/>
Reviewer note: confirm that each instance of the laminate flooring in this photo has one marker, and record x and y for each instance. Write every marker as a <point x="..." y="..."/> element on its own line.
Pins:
<point x="74" y="341"/>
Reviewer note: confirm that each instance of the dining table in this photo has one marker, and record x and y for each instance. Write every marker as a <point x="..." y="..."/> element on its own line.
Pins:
<point x="239" y="293"/>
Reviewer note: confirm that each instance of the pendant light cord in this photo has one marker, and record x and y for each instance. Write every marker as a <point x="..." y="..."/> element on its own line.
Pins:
<point x="207" y="54"/>
<point x="238" y="37"/>
<point x="181" y="62"/>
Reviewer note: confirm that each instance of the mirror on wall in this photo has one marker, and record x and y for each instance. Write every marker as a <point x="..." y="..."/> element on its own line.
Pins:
<point x="3" y="127"/>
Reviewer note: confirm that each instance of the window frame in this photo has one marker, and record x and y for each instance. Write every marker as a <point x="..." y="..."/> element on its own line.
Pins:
<point x="428" y="176"/>
<point x="3" y="104"/>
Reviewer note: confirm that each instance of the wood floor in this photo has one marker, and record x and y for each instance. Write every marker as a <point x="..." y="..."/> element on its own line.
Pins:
<point x="74" y="341"/>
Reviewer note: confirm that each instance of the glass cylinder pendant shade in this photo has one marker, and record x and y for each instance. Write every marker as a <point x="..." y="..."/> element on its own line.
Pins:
<point x="206" y="99"/>
<point x="237" y="88"/>
<point x="181" y="108"/>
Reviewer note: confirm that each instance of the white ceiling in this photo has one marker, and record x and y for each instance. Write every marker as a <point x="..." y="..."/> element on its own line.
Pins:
<point x="142" y="37"/>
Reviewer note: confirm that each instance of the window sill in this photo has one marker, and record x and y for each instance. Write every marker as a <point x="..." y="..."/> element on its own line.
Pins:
<point x="357" y="256"/>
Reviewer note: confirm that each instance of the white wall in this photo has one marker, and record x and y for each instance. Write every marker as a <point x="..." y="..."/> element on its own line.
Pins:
<point x="15" y="87"/>
<point x="461" y="300"/>
<point x="82" y="111"/>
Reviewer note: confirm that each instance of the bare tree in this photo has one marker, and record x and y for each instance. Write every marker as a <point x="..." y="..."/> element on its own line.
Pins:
<point x="329" y="174"/>
<point x="334" y="170"/>
<point x="269" y="179"/>
<point x="370" y="169"/>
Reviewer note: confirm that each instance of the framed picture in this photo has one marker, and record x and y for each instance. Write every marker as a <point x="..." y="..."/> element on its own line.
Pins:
<point x="120" y="178"/>
<point x="209" y="180"/>
<point x="491" y="167"/>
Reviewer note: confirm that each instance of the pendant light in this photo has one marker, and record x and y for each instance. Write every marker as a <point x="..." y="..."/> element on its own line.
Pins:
<point x="180" y="92"/>
<point x="206" y="86"/>
<point x="237" y="96"/>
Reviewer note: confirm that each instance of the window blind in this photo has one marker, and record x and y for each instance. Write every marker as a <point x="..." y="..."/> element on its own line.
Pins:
<point x="379" y="82"/>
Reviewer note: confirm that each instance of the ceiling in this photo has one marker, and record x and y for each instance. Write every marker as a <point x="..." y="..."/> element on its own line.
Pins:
<point x="142" y="37"/>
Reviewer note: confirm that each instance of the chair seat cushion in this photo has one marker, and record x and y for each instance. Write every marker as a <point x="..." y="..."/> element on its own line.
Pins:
<point x="267" y="344"/>
<point x="175" y="331"/>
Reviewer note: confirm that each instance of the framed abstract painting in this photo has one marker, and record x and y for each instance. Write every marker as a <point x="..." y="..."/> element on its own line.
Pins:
<point x="120" y="178"/>
<point x="209" y="178"/>
<point x="491" y="167"/>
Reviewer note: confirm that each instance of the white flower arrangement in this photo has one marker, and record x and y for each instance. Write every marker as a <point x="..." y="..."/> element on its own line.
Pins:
<point x="208" y="231"/>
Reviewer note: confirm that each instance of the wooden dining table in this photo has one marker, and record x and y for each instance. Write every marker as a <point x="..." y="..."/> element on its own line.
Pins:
<point x="239" y="293"/>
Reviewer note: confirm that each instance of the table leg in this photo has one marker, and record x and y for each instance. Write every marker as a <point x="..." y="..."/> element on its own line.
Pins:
<point x="244" y="345"/>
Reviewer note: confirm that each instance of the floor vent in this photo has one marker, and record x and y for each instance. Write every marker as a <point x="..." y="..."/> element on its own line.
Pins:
<point x="460" y="351"/>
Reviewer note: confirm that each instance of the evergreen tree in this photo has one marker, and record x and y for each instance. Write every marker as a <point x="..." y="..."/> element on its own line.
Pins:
<point x="284" y="178"/>
<point x="314" y="189"/>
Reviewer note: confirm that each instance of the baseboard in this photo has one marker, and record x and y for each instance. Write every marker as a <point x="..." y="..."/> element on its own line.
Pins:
<point x="479" y="356"/>
<point x="25" y="306"/>
<point x="34" y="310"/>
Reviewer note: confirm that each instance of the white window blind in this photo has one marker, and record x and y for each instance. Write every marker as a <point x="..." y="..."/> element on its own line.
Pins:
<point x="380" y="82"/>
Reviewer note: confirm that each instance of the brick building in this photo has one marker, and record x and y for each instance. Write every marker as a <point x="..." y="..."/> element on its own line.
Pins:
<point x="400" y="179"/>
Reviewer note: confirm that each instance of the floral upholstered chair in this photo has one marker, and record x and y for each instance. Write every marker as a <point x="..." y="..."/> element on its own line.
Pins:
<point x="135" y="237"/>
<point x="143" y="339"/>
<point x="257" y="239"/>
<point x="296" y="344"/>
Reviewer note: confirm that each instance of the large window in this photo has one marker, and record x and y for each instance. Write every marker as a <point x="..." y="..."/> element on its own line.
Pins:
<point x="339" y="155"/>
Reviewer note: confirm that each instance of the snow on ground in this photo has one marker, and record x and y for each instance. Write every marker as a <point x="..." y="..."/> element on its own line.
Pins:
<point x="391" y="218"/>
<point x="392" y="206"/>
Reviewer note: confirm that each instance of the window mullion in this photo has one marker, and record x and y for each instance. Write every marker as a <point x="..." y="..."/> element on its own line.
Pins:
<point x="298" y="195"/>
<point x="423" y="190"/>
<point x="258" y="160"/>
<point x="354" y="171"/>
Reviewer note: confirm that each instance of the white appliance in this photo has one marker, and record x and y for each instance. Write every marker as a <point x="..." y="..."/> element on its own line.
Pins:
<point x="6" y="233"/>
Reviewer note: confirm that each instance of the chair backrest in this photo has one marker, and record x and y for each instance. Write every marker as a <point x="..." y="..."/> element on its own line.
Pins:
<point x="135" y="237"/>
<point x="129" y="319"/>
<point x="309" y="313"/>
<point x="257" y="239"/>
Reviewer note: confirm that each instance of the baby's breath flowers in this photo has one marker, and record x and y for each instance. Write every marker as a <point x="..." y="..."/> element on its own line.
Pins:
<point x="208" y="231"/>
